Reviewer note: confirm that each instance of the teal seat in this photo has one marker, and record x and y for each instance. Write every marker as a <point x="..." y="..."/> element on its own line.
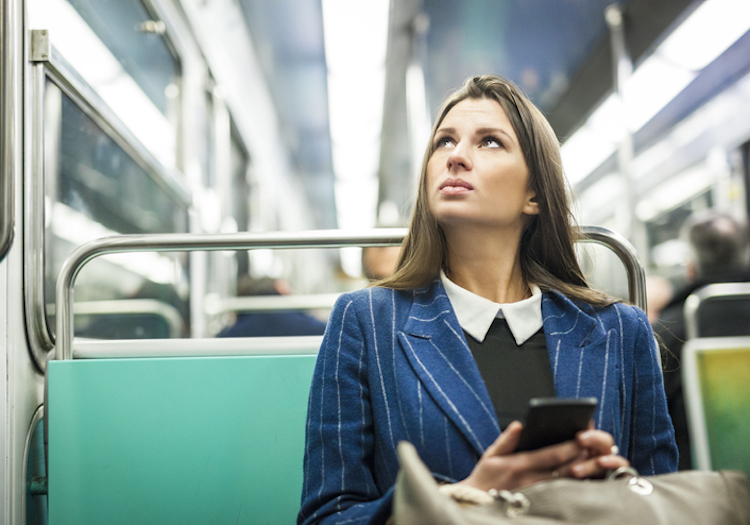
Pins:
<point x="715" y="381"/>
<point x="202" y="440"/>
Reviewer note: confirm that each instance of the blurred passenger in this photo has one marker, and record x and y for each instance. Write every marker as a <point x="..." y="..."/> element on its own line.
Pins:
<point x="487" y="309"/>
<point x="378" y="262"/>
<point x="270" y="324"/>
<point x="659" y="292"/>
<point x="718" y="245"/>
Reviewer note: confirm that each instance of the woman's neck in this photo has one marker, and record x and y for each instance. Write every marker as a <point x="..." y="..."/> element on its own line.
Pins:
<point x="487" y="264"/>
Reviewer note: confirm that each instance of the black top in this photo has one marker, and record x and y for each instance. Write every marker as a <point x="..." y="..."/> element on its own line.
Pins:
<point x="513" y="374"/>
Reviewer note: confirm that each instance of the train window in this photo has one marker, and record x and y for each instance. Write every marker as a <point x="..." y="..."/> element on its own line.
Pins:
<point x="94" y="187"/>
<point x="137" y="41"/>
<point x="121" y="50"/>
<point x="668" y="248"/>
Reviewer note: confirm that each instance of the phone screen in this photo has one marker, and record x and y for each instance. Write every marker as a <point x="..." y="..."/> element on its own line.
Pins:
<point x="552" y="420"/>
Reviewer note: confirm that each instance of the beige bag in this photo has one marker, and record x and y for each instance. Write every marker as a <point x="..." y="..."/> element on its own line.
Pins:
<point x="689" y="497"/>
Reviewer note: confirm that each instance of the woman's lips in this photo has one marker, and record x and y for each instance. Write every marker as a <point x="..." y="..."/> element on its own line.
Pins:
<point x="455" y="187"/>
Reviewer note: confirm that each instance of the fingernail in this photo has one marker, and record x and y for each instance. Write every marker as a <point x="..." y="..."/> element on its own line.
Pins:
<point x="587" y="434"/>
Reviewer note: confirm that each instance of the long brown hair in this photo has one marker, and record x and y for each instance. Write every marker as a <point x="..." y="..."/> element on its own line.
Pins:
<point x="547" y="255"/>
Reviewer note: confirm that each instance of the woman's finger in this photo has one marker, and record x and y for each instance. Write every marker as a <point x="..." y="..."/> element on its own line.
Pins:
<point x="506" y="442"/>
<point x="598" y="442"/>
<point x="555" y="457"/>
<point x="598" y="467"/>
<point x="612" y="462"/>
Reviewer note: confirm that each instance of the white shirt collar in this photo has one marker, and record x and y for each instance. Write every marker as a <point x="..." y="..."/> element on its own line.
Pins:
<point x="475" y="313"/>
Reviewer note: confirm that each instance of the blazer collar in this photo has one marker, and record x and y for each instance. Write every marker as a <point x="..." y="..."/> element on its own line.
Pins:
<point x="562" y="318"/>
<point x="437" y="351"/>
<point x="575" y="323"/>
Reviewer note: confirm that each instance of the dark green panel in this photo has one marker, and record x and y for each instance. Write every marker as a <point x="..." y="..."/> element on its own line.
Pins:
<point x="182" y="440"/>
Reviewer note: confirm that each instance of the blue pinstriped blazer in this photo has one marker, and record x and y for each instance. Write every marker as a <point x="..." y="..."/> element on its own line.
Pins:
<point x="395" y="366"/>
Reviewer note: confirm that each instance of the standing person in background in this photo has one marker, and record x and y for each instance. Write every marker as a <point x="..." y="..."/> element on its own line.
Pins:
<point x="270" y="324"/>
<point x="487" y="309"/>
<point x="718" y="245"/>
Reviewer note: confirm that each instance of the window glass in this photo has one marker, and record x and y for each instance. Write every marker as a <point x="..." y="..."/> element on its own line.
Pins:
<point x="94" y="188"/>
<point x="123" y="54"/>
<point x="133" y="36"/>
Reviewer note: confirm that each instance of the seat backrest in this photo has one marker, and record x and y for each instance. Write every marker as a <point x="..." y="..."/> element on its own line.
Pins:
<point x="718" y="310"/>
<point x="177" y="440"/>
<point x="200" y="434"/>
<point x="715" y="375"/>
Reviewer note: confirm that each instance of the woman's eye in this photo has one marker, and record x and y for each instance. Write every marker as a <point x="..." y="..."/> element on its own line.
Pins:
<point x="491" y="142"/>
<point x="444" y="142"/>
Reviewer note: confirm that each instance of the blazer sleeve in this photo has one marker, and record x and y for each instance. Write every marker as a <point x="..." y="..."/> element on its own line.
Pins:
<point x="339" y="484"/>
<point x="653" y="448"/>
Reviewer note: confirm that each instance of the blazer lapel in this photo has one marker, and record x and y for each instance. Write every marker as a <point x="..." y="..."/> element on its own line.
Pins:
<point x="436" y="349"/>
<point x="579" y="347"/>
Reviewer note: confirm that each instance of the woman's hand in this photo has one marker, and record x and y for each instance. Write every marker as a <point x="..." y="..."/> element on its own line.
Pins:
<point x="501" y="468"/>
<point x="602" y="455"/>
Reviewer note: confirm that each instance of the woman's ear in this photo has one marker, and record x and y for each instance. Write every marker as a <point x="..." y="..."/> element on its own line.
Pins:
<point x="532" y="206"/>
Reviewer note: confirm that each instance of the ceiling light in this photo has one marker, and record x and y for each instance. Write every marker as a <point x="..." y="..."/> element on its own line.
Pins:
<point x="704" y="35"/>
<point x="707" y="33"/>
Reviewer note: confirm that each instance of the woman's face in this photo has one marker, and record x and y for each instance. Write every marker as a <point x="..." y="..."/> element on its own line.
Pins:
<point x="477" y="174"/>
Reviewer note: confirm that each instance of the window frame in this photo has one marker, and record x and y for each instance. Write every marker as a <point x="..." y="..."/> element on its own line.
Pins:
<point x="48" y="65"/>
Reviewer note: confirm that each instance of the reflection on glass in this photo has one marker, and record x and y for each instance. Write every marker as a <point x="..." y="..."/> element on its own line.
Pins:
<point x="93" y="188"/>
<point x="134" y="38"/>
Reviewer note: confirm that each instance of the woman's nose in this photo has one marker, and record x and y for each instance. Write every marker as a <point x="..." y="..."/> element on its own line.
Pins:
<point x="459" y="157"/>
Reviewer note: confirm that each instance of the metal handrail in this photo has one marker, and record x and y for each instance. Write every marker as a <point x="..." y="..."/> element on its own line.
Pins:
<point x="710" y="291"/>
<point x="11" y="42"/>
<point x="278" y="240"/>
<point x="191" y="242"/>
<point x="627" y="255"/>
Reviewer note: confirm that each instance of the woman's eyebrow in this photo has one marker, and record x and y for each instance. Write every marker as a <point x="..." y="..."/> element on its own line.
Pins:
<point x="494" y="131"/>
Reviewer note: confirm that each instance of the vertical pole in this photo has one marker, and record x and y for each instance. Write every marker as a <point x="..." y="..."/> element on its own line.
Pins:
<point x="9" y="117"/>
<point x="622" y="67"/>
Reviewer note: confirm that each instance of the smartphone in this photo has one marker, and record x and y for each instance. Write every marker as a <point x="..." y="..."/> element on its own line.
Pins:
<point x="552" y="420"/>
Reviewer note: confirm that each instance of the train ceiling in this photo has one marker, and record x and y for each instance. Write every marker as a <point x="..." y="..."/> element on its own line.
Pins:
<point x="558" y="51"/>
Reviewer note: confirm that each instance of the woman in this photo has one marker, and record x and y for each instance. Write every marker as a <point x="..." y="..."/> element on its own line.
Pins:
<point x="422" y="357"/>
